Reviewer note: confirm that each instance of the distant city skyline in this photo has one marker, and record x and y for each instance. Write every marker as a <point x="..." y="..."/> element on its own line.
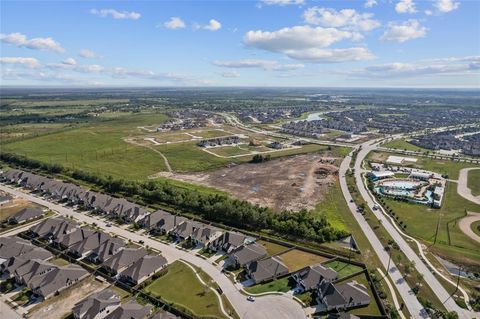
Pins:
<point x="371" y="43"/>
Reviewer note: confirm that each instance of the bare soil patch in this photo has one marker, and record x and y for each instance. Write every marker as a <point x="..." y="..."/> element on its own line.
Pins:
<point x="59" y="306"/>
<point x="289" y="183"/>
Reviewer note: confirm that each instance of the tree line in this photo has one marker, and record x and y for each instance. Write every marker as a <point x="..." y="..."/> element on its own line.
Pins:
<point x="302" y="225"/>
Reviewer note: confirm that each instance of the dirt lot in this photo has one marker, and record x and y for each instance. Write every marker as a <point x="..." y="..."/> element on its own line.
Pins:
<point x="290" y="183"/>
<point x="59" y="306"/>
<point x="14" y="206"/>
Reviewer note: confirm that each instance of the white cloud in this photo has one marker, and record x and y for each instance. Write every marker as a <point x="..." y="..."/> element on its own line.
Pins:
<point x="345" y="18"/>
<point x="213" y="25"/>
<point x="446" y="5"/>
<point x="317" y="55"/>
<point x="401" y="32"/>
<point x="282" y="2"/>
<point x="453" y="65"/>
<point x="20" y="40"/>
<point x="90" y="68"/>
<point x="69" y="61"/>
<point x="121" y="15"/>
<point x="428" y="12"/>
<point x="230" y="74"/>
<point x="89" y="54"/>
<point x="268" y="65"/>
<point x="30" y="63"/>
<point x="370" y="3"/>
<point x="405" y="6"/>
<point x="174" y="23"/>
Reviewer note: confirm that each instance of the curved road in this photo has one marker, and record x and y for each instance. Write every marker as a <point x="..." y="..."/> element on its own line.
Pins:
<point x="265" y="307"/>
<point x="429" y="278"/>
<point x="462" y="186"/>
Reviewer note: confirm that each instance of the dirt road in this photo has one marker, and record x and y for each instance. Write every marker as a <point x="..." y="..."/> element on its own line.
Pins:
<point x="465" y="223"/>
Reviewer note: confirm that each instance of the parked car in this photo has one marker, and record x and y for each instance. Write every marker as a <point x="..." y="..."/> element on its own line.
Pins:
<point x="251" y="298"/>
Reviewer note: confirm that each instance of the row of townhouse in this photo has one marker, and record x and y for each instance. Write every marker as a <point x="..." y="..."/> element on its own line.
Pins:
<point x="114" y="207"/>
<point x="29" y="266"/>
<point x="131" y="265"/>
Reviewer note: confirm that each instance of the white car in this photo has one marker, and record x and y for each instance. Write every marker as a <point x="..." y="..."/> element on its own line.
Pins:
<point x="251" y="298"/>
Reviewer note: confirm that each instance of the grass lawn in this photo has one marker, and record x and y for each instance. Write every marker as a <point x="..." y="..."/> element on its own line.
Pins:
<point x="97" y="148"/>
<point x="476" y="227"/>
<point x="272" y="248"/>
<point x="474" y="181"/>
<point x="211" y="133"/>
<point x="402" y="144"/>
<point x="229" y="150"/>
<point x="59" y="262"/>
<point x="335" y="208"/>
<point x="422" y="222"/>
<point x="279" y="285"/>
<point x="372" y="309"/>
<point x="297" y="259"/>
<point x="181" y="287"/>
<point x="343" y="269"/>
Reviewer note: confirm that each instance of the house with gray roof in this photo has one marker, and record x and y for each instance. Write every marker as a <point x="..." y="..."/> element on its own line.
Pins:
<point x="97" y="305"/>
<point x="34" y="267"/>
<point x="70" y="239"/>
<point x="52" y="282"/>
<point x="9" y="266"/>
<point x="310" y="277"/>
<point x="161" y="222"/>
<point x="205" y="235"/>
<point x="228" y="241"/>
<point x="131" y="310"/>
<point x="87" y="245"/>
<point x="185" y="229"/>
<point x="13" y="246"/>
<point x="5" y="198"/>
<point x="142" y="269"/>
<point x="246" y="254"/>
<point x="123" y="259"/>
<point x="25" y="215"/>
<point x="266" y="269"/>
<point x="342" y="296"/>
<point x="106" y="250"/>
<point x="52" y="228"/>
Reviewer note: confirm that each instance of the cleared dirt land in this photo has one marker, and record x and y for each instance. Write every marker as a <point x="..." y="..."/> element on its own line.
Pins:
<point x="289" y="183"/>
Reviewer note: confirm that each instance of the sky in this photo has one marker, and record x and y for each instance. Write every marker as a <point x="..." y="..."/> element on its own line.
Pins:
<point x="303" y="43"/>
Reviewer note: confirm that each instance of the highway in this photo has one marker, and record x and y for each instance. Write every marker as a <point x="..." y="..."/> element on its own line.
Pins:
<point x="420" y="266"/>
<point x="284" y="307"/>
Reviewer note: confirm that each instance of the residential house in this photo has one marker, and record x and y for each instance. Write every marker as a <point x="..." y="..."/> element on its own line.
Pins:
<point x="25" y="215"/>
<point x="106" y="250"/>
<point x="246" y="254"/>
<point x="70" y="239"/>
<point x="131" y="310"/>
<point x="142" y="269"/>
<point x="123" y="259"/>
<point x="34" y="267"/>
<point x="9" y="266"/>
<point x="185" y="229"/>
<point x="97" y="305"/>
<point x="310" y="277"/>
<point x="228" y="241"/>
<point x="266" y="269"/>
<point x="205" y="235"/>
<point x="5" y="198"/>
<point x="13" y="246"/>
<point x="342" y="296"/>
<point x="161" y="222"/>
<point x="90" y="243"/>
<point x="52" y="228"/>
<point x="52" y="282"/>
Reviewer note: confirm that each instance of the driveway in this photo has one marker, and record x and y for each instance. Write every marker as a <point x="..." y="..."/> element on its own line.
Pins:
<point x="273" y="306"/>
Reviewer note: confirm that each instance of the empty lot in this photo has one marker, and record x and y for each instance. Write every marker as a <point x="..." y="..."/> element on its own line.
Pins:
<point x="290" y="183"/>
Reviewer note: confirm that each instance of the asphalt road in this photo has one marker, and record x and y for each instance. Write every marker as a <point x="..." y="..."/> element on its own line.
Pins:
<point x="7" y="313"/>
<point x="429" y="278"/>
<point x="264" y="307"/>
<point x="409" y="298"/>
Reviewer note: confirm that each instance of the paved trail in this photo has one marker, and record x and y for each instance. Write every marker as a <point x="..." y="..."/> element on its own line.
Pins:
<point x="465" y="223"/>
<point x="462" y="187"/>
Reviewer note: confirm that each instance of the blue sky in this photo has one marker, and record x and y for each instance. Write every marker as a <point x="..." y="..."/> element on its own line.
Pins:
<point x="364" y="43"/>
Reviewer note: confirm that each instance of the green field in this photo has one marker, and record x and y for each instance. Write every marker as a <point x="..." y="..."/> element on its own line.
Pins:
<point x="229" y="151"/>
<point x="474" y="181"/>
<point x="278" y="285"/>
<point x="422" y="220"/>
<point x="475" y="226"/>
<point x="343" y="269"/>
<point x="181" y="287"/>
<point x="97" y="148"/>
<point x="402" y="144"/>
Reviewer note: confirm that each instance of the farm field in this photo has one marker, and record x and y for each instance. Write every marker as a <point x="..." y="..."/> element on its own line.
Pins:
<point x="191" y="294"/>
<point x="422" y="221"/>
<point x="474" y="181"/>
<point x="449" y="168"/>
<point x="296" y="259"/>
